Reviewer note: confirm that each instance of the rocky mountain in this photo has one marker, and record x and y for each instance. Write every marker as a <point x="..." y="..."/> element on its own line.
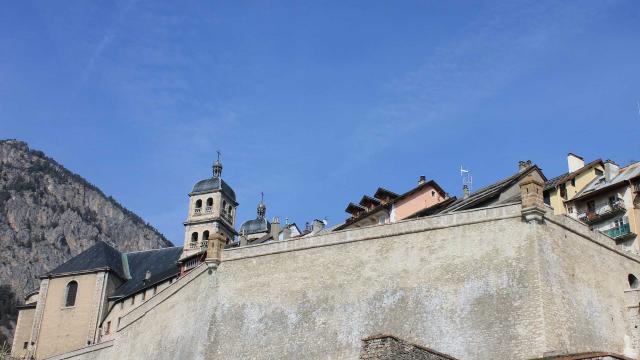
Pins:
<point x="49" y="214"/>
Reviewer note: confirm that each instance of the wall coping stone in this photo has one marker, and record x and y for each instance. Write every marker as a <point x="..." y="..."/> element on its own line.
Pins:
<point x="82" y="351"/>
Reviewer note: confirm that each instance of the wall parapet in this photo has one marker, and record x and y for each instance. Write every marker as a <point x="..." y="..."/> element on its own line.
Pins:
<point x="404" y="227"/>
<point x="83" y="351"/>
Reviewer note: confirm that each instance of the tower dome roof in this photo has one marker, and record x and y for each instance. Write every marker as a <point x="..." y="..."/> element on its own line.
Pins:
<point x="213" y="184"/>
<point x="255" y="226"/>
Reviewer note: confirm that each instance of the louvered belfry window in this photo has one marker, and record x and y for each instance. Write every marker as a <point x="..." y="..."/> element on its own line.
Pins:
<point x="72" y="291"/>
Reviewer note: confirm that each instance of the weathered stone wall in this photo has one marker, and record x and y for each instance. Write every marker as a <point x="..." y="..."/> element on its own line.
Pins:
<point x="475" y="285"/>
<point x="583" y="289"/>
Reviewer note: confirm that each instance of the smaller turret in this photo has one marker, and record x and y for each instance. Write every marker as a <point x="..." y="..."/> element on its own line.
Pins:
<point x="217" y="168"/>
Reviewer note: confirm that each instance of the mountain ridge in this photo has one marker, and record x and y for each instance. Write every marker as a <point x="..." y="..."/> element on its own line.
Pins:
<point x="49" y="214"/>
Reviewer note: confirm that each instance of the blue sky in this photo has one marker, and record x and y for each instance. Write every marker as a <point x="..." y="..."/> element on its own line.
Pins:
<point x="315" y="103"/>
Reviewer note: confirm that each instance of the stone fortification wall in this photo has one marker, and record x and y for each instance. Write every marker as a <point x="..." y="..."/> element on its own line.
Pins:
<point x="475" y="285"/>
<point x="585" y="290"/>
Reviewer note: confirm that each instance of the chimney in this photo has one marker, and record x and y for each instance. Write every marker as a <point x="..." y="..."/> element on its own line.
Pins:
<point x="611" y="170"/>
<point x="422" y="180"/>
<point x="531" y="193"/>
<point x="465" y="191"/>
<point x="243" y="238"/>
<point x="286" y="233"/>
<point x="317" y="226"/>
<point x="575" y="162"/>
<point x="522" y="165"/>
<point x="275" y="229"/>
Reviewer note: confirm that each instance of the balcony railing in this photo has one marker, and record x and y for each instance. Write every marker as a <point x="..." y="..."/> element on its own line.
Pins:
<point x="192" y="245"/>
<point x="207" y="209"/>
<point x="227" y="216"/>
<point x="197" y="211"/>
<point x="603" y="213"/>
<point x="204" y="244"/>
<point x="620" y="232"/>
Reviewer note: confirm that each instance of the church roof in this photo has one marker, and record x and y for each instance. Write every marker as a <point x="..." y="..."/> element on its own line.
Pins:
<point x="255" y="226"/>
<point x="100" y="256"/>
<point x="161" y="263"/>
<point x="213" y="184"/>
<point x="131" y="267"/>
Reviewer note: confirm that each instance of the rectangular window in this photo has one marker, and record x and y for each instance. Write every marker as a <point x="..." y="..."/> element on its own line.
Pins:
<point x="563" y="191"/>
<point x="26" y="343"/>
<point x="133" y="299"/>
<point x="108" y="328"/>
<point x="119" y="321"/>
<point x="570" y="209"/>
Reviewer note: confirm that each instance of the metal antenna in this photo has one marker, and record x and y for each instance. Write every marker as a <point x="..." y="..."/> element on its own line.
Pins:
<point x="467" y="179"/>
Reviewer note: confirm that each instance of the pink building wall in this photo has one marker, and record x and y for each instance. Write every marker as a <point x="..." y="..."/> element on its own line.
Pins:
<point x="426" y="197"/>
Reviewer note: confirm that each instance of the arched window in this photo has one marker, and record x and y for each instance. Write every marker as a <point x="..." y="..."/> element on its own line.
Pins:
<point x="209" y="202"/>
<point x="224" y="206"/>
<point x="72" y="291"/>
<point x="633" y="281"/>
<point x="198" y="204"/>
<point x="194" y="237"/>
<point x="230" y="211"/>
<point x="205" y="235"/>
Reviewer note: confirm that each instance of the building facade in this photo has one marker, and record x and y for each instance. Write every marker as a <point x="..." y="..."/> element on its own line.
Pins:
<point x="610" y="203"/>
<point x="561" y="189"/>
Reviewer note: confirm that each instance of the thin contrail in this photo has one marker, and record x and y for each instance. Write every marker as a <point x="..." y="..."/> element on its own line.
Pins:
<point x="106" y="40"/>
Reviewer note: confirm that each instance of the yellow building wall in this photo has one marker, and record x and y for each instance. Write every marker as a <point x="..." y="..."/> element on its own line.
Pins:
<point x="581" y="180"/>
<point x="67" y="328"/>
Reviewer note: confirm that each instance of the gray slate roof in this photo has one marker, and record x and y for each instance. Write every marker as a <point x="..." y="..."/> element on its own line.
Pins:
<point x="99" y="256"/>
<point x="626" y="173"/>
<point x="130" y="267"/>
<point x="162" y="263"/>
<point x="489" y="194"/>
<point x="212" y="184"/>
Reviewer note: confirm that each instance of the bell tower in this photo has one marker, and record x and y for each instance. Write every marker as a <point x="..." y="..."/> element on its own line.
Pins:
<point x="212" y="210"/>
